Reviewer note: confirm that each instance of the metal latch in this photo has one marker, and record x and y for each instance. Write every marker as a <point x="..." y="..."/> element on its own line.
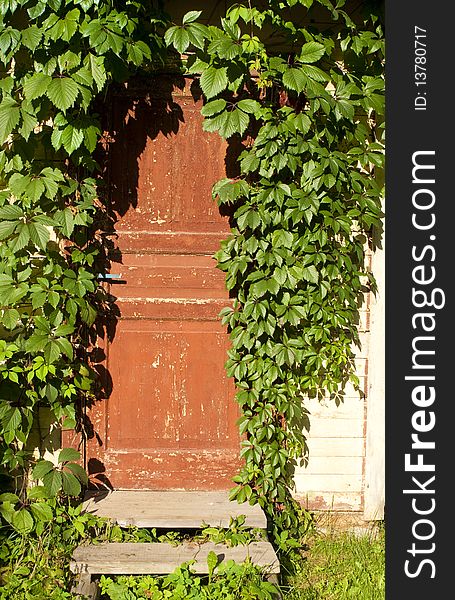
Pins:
<point x="111" y="278"/>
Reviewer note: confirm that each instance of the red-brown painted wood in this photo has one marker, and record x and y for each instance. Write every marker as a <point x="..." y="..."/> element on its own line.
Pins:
<point x="170" y="419"/>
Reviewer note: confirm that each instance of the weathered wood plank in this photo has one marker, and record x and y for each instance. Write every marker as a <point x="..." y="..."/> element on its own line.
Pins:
<point x="169" y="509"/>
<point x="159" y="559"/>
<point x="86" y="588"/>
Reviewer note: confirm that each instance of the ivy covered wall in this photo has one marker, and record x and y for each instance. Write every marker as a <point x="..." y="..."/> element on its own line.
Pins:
<point x="300" y="84"/>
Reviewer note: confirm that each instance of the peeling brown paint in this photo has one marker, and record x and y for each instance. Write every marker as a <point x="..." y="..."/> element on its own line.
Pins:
<point x="170" y="421"/>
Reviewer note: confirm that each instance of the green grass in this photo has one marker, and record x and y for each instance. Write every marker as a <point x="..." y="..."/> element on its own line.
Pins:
<point x="341" y="566"/>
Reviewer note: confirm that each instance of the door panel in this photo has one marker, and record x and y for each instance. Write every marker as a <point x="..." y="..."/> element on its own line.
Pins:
<point x="170" y="419"/>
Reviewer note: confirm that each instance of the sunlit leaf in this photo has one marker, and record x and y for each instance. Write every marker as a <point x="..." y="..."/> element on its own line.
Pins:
<point x="63" y="91"/>
<point x="214" y="81"/>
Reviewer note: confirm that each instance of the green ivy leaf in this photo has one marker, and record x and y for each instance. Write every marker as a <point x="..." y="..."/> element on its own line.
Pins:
<point x="83" y="76"/>
<point x="37" y="10"/>
<point x="6" y="229"/>
<point x="178" y="37"/>
<point x="78" y="471"/>
<point x="11" y="212"/>
<point x="69" y="61"/>
<point x="31" y="37"/>
<point x="22" y="239"/>
<point x="249" y="106"/>
<point x="62" y="92"/>
<point x="197" y="34"/>
<point x="29" y="122"/>
<point x="214" y="107"/>
<point x="294" y="79"/>
<point x="42" y="512"/>
<point x="345" y="109"/>
<point x="22" y="521"/>
<point x="310" y="274"/>
<point x="51" y="351"/>
<point x="302" y="122"/>
<point x="314" y="73"/>
<point x="64" y="329"/>
<point x="68" y="454"/>
<point x="225" y="47"/>
<point x="212" y="562"/>
<point x="37" y="492"/>
<point x="135" y="54"/>
<point x="39" y="234"/>
<point x="95" y="64"/>
<point x="36" y="85"/>
<point x="53" y="482"/>
<point x="236" y="121"/>
<point x="42" y="468"/>
<point x="311" y="52"/>
<point x="65" y="218"/>
<point x="12" y="419"/>
<point x="72" y="138"/>
<point x="9" y="117"/>
<point x="9" y="497"/>
<point x="7" y="84"/>
<point x="35" y="189"/>
<point x="51" y="393"/>
<point x="196" y="65"/>
<point x="10" y="318"/>
<point x="214" y="81"/>
<point x="191" y="16"/>
<point x="71" y="484"/>
<point x="51" y="179"/>
<point x="91" y="134"/>
<point x="66" y="347"/>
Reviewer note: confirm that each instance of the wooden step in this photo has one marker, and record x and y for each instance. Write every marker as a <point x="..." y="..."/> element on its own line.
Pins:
<point x="161" y="558"/>
<point x="171" y="510"/>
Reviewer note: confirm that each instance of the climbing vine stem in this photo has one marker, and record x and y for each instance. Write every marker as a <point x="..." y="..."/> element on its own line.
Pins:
<point x="299" y="83"/>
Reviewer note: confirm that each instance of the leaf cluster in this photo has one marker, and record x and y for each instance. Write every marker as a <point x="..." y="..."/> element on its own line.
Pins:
<point x="56" y="59"/>
<point x="227" y="580"/>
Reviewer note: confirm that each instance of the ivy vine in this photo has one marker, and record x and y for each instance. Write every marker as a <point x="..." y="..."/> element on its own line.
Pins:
<point x="58" y="57"/>
<point x="306" y="102"/>
<point x="304" y="206"/>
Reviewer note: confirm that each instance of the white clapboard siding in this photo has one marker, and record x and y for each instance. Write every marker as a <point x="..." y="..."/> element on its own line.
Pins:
<point x="331" y="501"/>
<point x="333" y="476"/>
<point x="374" y="484"/>
<point x="335" y="447"/>
<point x="352" y="407"/>
<point x="332" y="427"/>
<point x="333" y="465"/>
<point x="321" y="482"/>
<point x="364" y="320"/>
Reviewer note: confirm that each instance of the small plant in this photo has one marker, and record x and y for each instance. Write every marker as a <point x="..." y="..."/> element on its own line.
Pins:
<point x="236" y="534"/>
<point x="227" y="581"/>
<point x="35" y="550"/>
<point x="33" y="507"/>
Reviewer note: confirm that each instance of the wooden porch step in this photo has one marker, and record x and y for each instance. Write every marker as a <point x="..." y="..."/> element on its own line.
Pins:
<point x="171" y="510"/>
<point x="161" y="558"/>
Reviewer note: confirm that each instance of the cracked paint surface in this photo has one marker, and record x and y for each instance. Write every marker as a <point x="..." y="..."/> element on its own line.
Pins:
<point x="170" y="420"/>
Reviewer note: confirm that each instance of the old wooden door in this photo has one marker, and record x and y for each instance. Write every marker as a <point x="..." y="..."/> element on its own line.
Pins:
<point x="170" y="419"/>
